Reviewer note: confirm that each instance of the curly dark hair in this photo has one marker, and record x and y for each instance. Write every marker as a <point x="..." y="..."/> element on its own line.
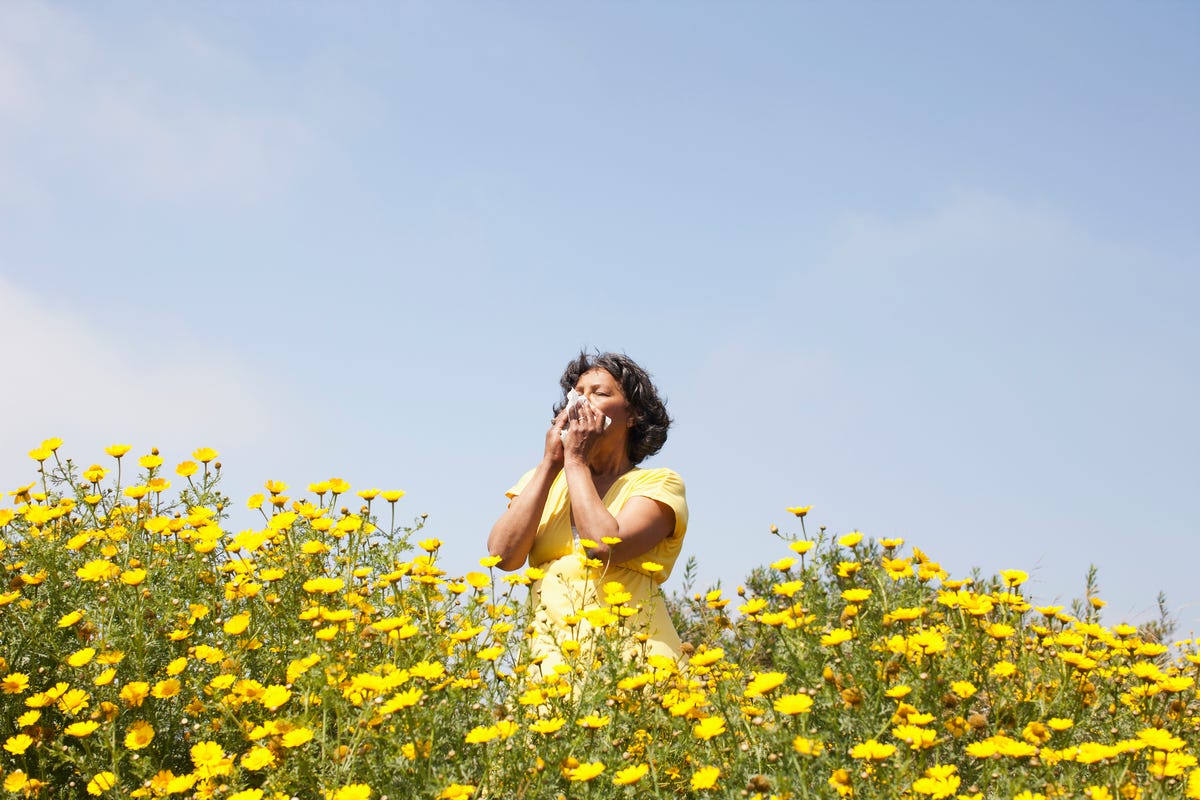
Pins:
<point x="648" y="433"/>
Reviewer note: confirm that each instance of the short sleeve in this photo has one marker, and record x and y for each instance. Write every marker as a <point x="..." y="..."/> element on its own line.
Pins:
<point x="520" y="485"/>
<point x="665" y="486"/>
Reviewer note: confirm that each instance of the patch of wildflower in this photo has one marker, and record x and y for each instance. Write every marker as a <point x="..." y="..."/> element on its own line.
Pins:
<point x="148" y="650"/>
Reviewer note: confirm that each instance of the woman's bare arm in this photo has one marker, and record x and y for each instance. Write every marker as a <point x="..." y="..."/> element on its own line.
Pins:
<point x="513" y="534"/>
<point x="640" y="525"/>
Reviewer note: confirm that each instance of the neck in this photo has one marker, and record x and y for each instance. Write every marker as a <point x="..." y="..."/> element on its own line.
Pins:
<point x="610" y="459"/>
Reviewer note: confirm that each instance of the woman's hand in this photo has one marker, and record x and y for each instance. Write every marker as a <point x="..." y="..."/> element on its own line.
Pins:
<point x="554" y="441"/>
<point x="585" y="426"/>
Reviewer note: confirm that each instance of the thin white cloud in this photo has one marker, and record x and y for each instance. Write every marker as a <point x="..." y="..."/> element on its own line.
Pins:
<point x="66" y="377"/>
<point x="77" y="106"/>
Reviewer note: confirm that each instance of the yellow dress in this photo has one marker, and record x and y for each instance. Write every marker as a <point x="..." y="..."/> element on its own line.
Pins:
<point x="570" y="588"/>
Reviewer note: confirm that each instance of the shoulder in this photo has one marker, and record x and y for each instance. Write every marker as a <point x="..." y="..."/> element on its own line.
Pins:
<point x="657" y="477"/>
<point x="665" y="486"/>
<point x="519" y="485"/>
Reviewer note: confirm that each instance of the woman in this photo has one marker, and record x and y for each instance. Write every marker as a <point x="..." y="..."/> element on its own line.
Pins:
<point x="587" y="515"/>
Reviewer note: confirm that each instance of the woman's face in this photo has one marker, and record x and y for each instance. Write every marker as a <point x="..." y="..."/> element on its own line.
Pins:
<point x="604" y="394"/>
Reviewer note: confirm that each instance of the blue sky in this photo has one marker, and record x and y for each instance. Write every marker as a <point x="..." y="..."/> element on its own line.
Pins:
<point x="930" y="268"/>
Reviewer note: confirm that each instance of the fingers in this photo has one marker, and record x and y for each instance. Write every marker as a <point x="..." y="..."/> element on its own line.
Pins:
<point x="585" y="415"/>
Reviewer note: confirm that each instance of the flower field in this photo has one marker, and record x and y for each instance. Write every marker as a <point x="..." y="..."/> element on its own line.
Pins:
<point x="148" y="651"/>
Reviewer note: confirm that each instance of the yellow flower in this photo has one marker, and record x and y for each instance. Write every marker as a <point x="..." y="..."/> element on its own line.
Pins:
<point x="134" y="693"/>
<point x="14" y="683"/>
<point x="1160" y="739"/>
<point x="355" y="791"/>
<point x="29" y="718"/>
<point x="705" y="778"/>
<point x="963" y="689"/>
<point x="246" y="794"/>
<point x="847" y="568"/>
<point x="18" y="744"/>
<point x="802" y="546"/>
<point x="794" y="704"/>
<point x="101" y="782"/>
<point x="395" y="494"/>
<point x="257" y="758"/>
<point x="204" y="454"/>
<point x="837" y="636"/>
<point x="764" y="682"/>
<point x="708" y="728"/>
<point x="15" y="781"/>
<point x="584" y="772"/>
<point x="324" y="585"/>
<point x="207" y="755"/>
<point x="707" y="656"/>
<point x="166" y="688"/>
<point x="94" y="474"/>
<point x="98" y="570"/>
<point x="916" y="737"/>
<point x="850" y="539"/>
<point x="631" y="775"/>
<point x="237" y="624"/>
<point x="1003" y="669"/>
<point x="40" y="454"/>
<point x="547" y="726"/>
<point x="593" y="721"/>
<point x="81" y="729"/>
<point x="1014" y="577"/>
<point x="150" y="461"/>
<point x="72" y="701"/>
<point x="872" y="750"/>
<point x="275" y="696"/>
<point x="105" y="678"/>
<point x="928" y="642"/>
<point x="140" y="734"/>
<point x="784" y="564"/>
<point x="296" y="737"/>
<point x="186" y="469"/>
<point x="457" y="791"/>
<point x="807" y="747"/>
<point x="405" y="699"/>
<point x="477" y="580"/>
<point x="481" y="734"/>
<point x="490" y="653"/>
<point x="940" y="782"/>
<point x="1193" y="786"/>
<point x="799" y="511"/>
<point x="133" y="577"/>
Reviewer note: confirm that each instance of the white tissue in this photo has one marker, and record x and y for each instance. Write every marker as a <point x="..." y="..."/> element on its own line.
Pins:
<point x="574" y="397"/>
